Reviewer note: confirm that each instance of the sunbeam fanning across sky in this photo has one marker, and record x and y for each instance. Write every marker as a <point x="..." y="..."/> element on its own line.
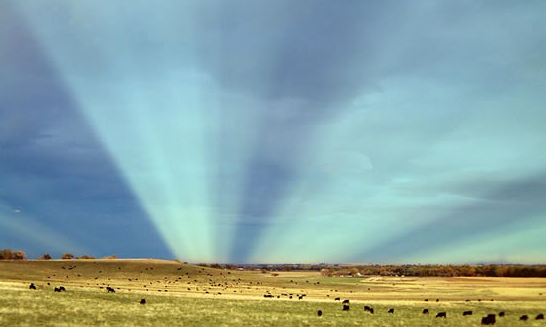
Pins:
<point x="278" y="131"/>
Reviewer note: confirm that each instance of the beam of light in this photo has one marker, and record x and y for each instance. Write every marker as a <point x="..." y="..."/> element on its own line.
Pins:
<point x="148" y="117"/>
<point x="281" y="140"/>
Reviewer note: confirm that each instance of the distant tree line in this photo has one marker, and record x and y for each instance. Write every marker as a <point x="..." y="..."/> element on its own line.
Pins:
<point x="491" y="270"/>
<point x="9" y="254"/>
<point x="330" y="270"/>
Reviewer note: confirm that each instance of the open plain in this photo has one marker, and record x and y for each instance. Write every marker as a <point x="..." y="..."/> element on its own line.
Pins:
<point x="186" y="295"/>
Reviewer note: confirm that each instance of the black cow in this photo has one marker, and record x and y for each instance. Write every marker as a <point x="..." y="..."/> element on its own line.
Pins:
<point x="489" y="320"/>
<point x="62" y="289"/>
<point x="441" y="314"/>
<point x="110" y="289"/>
<point x="524" y="317"/>
<point x="268" y="295"/>
<point x="391" y="310"/>
<point x="32" y="286"/>
<point x="300" y="297"/>
<point x="57" y="289"/>
<point x="467" y="313"/>
<point x="345" y="302"/>
<point x="319" y="313"/>
<point x="345" y="307"/>
<point x="337" y="299"/>
<point x="501" y="314"/>
<point x="540" y="317"/>
<point x="425" y="311"/>
<point x="143" y="301"/>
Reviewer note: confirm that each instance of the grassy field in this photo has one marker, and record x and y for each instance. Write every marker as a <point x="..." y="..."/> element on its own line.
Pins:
<point x="185" y="295"/>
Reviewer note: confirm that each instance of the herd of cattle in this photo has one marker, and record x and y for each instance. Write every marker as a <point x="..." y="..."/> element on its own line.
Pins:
<point x="490" y="319"/>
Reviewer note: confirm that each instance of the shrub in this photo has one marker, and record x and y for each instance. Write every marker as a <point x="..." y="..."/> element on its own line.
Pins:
<point x="67" y="256"/>
<point x="85" y="256"/>
<point x="19" y="255"/>
<point x="7" y="254"/>
<point x="46" y="256"/>
<point x="231" y="266"/>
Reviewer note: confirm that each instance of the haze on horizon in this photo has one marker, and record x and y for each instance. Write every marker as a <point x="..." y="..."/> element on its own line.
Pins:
<point x="274" y="131"/>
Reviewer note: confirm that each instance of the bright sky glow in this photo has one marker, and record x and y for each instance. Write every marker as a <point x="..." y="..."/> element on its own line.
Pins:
<point x="275" y="131"/>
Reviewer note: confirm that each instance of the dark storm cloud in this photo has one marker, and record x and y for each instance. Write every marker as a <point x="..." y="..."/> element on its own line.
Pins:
<point x="53" y="170"/>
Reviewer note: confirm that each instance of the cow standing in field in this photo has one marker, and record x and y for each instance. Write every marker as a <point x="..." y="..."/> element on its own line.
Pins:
<point x="32" y="286"/>
<point x="501" y="314"/>
<point x="489" y="320"/>
<point x="524" y="317"/>
<point x="345" y="307"/>
<point x="540" y="316"/>
<point x="391" y="310"/>
<point x="467" y="313"/>
<point x="425" y="311"/>
<point x="345" y="302"/>
<point x="110" y="289"/>
<point x="441" y="315"/>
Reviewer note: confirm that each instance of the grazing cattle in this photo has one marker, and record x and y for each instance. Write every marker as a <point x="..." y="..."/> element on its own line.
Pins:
<point x="425" y="311"/>
<point x="345" y="307"/>
<point x="524" y="317"/>
<point x="426" y="300"/>
<point x="441" y="314"/>
<point x="62" y="289"/>
<point x="32" y="286"/>
<point x="437" y="300"/>
<point x="366" y="308"/>
<point x="489" y="320"/>
<point x="57" y="290"/>
<point x="268" y="295"/>
<point x="300" y="297"/>
<point x="467" y="313"/>
<point x="337" y="299"/>
<point x="345" y="302"/>
<point x="467" y="300"/>
<point x="110" y="289"/>
<point x="319" y="313"/>
<point x="540" y="317"/>
<point x="391" y="310"/>
<point x="501" y="314"/>
<point x="143" y="301"/>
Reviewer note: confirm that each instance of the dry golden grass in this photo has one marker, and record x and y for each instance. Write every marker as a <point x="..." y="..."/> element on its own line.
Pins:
<point x="188" y="295"/>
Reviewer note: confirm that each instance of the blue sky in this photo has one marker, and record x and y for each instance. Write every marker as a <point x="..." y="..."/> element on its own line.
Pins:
<point x="260" y="131"/>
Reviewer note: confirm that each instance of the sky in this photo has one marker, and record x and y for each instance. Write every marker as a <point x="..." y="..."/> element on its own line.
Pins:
<point x="274" y="131"/>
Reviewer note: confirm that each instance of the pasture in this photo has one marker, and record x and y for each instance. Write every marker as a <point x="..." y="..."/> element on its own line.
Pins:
<point x="185" y="295"/>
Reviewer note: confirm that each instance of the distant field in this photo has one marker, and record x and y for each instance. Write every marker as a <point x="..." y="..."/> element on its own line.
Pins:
<point x="186" y="295"/>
